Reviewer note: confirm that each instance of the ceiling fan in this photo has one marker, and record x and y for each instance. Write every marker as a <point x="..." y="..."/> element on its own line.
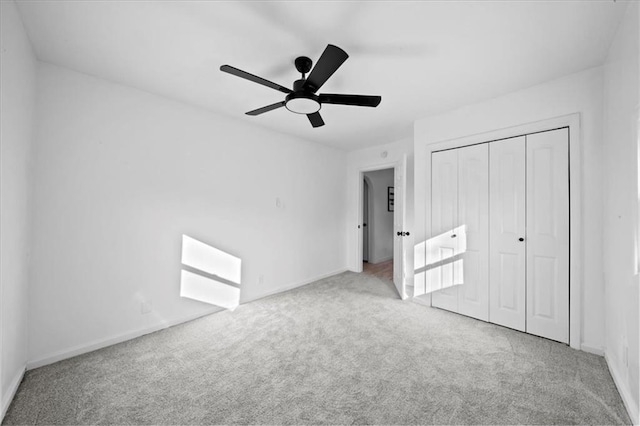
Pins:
<point x="303" y="98"/>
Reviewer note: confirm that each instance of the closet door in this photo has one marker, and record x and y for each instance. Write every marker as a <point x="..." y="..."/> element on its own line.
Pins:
<point x="507" y="232"/>
<point x="444" y="272"/>
<point x="473" y="230"/>
<point x="548" y="234"/>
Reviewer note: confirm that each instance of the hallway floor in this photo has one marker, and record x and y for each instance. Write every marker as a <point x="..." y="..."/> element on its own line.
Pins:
<point x="382" y="270"/>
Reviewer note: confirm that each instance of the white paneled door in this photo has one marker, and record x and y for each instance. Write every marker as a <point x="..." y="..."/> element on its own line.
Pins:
<point x="507" y="254"/>
<point x="548" y="234"/>
<point x="399" y="219"/>
<point x="458" y="256"/>
<point x="443" y="272"/>
<point x="473" y="230"/>
<point x="499" y="246"/>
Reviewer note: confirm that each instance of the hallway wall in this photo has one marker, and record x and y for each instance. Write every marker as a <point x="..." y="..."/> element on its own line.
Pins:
<point x="380" y="226"/>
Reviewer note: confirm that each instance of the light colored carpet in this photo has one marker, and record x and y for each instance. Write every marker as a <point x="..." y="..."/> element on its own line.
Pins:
<point x="343" y="350"/>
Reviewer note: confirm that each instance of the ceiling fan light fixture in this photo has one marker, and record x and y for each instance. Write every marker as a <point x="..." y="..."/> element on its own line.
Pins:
<point x="303" y="98"/>
<point x="302" y="104"/>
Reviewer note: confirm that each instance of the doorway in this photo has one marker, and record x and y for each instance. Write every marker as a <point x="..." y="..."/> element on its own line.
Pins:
<point x="396" y="201"/>
<point x="378" y="223"/>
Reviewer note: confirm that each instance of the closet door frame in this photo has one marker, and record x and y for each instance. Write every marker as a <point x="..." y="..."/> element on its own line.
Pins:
<point x="572" y="122"/>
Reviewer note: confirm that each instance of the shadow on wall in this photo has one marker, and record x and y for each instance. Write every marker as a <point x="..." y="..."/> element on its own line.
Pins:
<point x="209" y="275"/>
<point x="440" y="260"/>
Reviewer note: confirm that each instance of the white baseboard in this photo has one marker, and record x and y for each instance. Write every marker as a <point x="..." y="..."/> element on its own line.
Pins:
<point x="295" y="285"/>
<point x="103" y="343"/>
<point x="592" y="349"/>
<point x="11" y="393"/>
<point x="384" y="259"/>
<point x="623" y="389"/>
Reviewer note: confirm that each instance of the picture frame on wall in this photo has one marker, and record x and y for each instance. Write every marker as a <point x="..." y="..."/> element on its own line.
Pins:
<point x="390" y="198"/>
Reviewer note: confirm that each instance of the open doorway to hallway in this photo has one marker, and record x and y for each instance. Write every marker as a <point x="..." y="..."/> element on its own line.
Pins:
<point x="378" y="223"/>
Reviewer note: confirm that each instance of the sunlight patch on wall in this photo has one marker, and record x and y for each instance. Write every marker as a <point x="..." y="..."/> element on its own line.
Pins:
<point x="208" y="290"/>
<point x="209" y="275"/>
<point x="209" y="259"/>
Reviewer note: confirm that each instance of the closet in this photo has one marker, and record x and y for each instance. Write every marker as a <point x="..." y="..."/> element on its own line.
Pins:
<point x="499" y="246"/>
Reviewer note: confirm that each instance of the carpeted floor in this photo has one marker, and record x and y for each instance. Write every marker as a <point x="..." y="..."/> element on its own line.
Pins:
<point x="342" y="350"/>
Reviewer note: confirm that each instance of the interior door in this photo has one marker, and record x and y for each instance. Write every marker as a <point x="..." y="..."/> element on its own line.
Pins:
<point x="365" y="221"/>
<point x="444" y="270"/>
<point x="548" y="234"/>
<point x="473" y="230"/>
<point x="399" y="220"/>
<point x="507" y="233"/>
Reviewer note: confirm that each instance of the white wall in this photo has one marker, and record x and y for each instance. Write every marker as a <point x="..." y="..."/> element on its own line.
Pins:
<point x="380" y="223"/>
<point x="578" y="93"/>
<point x="621" y="84"/>
<point x="18" y="83"/>
<point x="379" y="157"/>
<point x="122" y="174"/>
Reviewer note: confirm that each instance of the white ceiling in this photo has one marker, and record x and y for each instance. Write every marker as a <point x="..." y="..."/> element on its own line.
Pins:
<point x="421" y="57"/>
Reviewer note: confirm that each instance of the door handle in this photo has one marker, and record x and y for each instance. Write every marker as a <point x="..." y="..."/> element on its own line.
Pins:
<point x="520" y="239"/>
<point x="402" y="234"/>
<point x="453" y="235"/>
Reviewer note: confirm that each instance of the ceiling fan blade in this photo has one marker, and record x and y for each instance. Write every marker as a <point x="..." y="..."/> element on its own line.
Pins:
<point x="356" y="100"/>
<point x="329" y="62"/>
<point x="243" y="74"/>
<point x="266" y="108"/>
<point x="316" y="119"/>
